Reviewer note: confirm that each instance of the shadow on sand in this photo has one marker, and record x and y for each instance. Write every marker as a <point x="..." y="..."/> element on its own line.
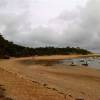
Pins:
<point x="2" y="94"/>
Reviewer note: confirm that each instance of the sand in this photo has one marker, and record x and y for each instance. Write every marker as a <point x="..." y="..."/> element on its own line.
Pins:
<point x="57" y="82"/>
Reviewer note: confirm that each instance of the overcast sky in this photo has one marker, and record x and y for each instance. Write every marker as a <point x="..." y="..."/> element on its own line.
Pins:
<point x="60" y="23"/>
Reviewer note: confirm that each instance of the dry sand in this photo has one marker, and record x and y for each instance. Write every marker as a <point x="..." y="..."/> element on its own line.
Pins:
<point x="52" y="57"/>
<point x="58" y="82"/>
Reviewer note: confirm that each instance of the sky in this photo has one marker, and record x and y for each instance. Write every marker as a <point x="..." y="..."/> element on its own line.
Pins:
<point x="61" y="23"/>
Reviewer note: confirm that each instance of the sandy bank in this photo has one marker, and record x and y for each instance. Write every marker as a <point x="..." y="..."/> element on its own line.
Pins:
<point x="52" y="57"/>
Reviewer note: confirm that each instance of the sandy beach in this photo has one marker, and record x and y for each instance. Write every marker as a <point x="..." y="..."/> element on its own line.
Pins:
<point x="26" y="81"/>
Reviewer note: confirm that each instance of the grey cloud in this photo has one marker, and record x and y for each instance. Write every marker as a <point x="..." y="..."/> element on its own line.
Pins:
<point x="77" y="27"/>
<point x="87" y="27"/>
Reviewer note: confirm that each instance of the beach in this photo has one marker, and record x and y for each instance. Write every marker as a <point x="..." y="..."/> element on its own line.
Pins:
<point x="26" y="80"/>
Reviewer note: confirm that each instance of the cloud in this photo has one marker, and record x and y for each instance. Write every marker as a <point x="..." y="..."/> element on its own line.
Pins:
<point x="61" y="23"/>
<point x="81" y="27"/>
<point x="91" y="23"/>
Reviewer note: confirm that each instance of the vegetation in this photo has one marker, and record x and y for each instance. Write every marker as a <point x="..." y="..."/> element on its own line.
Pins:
<point x="9" y="49"/>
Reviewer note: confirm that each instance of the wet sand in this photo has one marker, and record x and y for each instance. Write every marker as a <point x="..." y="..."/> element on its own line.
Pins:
<point x="29" y="81"/>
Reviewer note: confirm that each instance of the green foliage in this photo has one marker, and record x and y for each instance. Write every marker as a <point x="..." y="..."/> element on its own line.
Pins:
<point x="9" y="49"/>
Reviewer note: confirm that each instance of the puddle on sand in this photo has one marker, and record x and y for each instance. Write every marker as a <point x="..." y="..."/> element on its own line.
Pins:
<point x="40" y="62"/>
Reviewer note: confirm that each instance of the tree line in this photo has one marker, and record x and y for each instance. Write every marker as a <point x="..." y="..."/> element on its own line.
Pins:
<point x="13" y="50"/>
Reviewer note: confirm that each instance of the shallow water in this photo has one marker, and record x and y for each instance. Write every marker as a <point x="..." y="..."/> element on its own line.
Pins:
<point x="91" y="62"/>
<point x="40" y="62"/>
